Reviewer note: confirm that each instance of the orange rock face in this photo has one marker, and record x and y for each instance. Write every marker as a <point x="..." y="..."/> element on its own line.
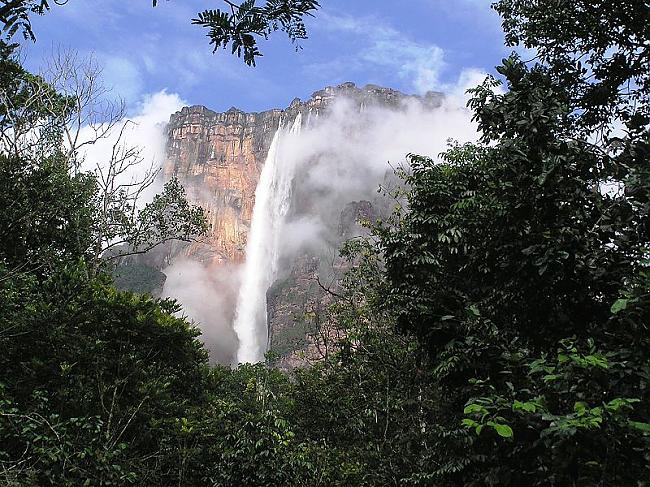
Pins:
<point x="218" y="158"/>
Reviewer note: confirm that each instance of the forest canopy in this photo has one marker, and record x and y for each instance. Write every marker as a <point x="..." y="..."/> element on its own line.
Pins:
<point x="492" y="331"/>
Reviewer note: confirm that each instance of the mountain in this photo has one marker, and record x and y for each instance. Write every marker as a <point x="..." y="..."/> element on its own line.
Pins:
<point x="218" y="157"/>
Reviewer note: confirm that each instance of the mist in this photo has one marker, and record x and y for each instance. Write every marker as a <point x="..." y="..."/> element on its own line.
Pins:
<point x="341" y="156"/>
<point x="207" y="295"/>
<point x="345" y="156"/>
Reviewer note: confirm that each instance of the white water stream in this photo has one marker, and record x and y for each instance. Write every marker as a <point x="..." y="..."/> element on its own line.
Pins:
<point x="272" y="200"/>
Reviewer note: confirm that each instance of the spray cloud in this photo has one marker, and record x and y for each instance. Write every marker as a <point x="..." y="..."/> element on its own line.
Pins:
<point x="340" y="156"/>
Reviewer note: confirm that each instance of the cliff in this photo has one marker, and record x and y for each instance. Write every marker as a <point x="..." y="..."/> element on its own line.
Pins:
<point x="218" y="158"/>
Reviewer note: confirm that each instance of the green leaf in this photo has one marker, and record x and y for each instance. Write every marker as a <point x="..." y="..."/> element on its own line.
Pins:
<point x="529" y="407"/>
<point x="619" y="305"/>
<point x="474" y="408"/>
<point x="645" y="427"/>
<point x="621" y="403"/>
<point x="550" y="377"/>
<point x="469" y="423"/>
<point x="503" y="430"/>
<point x="580" y="407"/>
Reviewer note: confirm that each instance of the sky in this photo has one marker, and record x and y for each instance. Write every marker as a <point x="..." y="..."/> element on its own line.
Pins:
<point x="410" y="45"/>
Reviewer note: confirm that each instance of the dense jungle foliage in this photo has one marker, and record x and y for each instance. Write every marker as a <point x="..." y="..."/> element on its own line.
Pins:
<point x="494" y="329"/>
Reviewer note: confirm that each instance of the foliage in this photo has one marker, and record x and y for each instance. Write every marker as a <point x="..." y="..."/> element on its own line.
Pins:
<point x="507" y="251"/>
<point x="96" y="211"/>
<point x="372" y="402"/>
<point x="169" y="216"/>
<point x="87" y="373"/>
<point x="493" y="331"/>
<point x="14" y="14"/>
<point x="239" y="26"/>
<point x="598" y="49"/>
<point x="514" y="266"/>
<point x="138" y="278"/>
<point x="245" y="436"/>
<point x="31" y="111"/>
<point x="245" y="23"/>
<point x="46" y="217"/>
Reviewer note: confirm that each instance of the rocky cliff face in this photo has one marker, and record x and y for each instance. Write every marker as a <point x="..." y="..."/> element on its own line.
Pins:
<point x="218" y="158"/>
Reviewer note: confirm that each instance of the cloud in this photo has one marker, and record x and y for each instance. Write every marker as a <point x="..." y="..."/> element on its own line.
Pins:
<point x="144" y="129"/>
<point x="123" y="77"/>
<point x="347" y="154"/>
<point x="456" y="92"/>
<point x="140" y="47"/>
<point x="421" y="65"/>
<point x="381" y="45"/>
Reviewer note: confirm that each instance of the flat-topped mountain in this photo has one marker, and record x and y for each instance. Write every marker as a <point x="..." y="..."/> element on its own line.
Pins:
<point x="218" y="157"/>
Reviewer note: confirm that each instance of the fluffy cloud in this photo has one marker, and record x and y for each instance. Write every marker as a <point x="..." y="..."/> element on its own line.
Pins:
<point x="121" y="74"/>
<point x="144" y="129"/>
<point x="419" y="64"/>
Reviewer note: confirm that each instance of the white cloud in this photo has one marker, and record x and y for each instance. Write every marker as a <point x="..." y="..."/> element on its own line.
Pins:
<point x="144" y="129"/>
<point x="421" y="64"/>
<point x="123" y="77"/>
<point x="418" y="63"/>
<point x="456" y="92"/>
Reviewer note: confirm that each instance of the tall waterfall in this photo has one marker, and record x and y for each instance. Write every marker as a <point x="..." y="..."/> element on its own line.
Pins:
<point x="272" y="199"/>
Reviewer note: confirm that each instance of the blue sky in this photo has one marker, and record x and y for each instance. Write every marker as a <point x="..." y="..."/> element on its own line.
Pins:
<point x="410" y="45"/>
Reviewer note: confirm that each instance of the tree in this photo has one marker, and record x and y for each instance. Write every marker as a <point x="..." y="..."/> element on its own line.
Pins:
<point x="525" y="280"/>
<point x="14" y="14"/>
<point x="90" y="377"/>
<point x="245" y="23"/>
<point x="99" y="386"/>
<point x="239" y="25"/>
<point x="372" y="402"/>
<point x="46" y="122"/>
<point x="600" y="51"/>
<point x="47" y="212"/>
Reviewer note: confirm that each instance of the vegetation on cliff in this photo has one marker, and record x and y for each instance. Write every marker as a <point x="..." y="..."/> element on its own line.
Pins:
<point x="495" y="327"/>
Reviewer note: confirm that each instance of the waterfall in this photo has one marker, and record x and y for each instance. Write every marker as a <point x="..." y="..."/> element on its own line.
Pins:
<point x="272" y="199"/>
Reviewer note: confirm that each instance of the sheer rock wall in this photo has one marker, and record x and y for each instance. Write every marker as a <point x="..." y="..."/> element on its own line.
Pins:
<point x="218" y="158"/>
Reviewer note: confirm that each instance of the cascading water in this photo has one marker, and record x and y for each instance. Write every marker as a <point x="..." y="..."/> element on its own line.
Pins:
<point x="272" y="200"/>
